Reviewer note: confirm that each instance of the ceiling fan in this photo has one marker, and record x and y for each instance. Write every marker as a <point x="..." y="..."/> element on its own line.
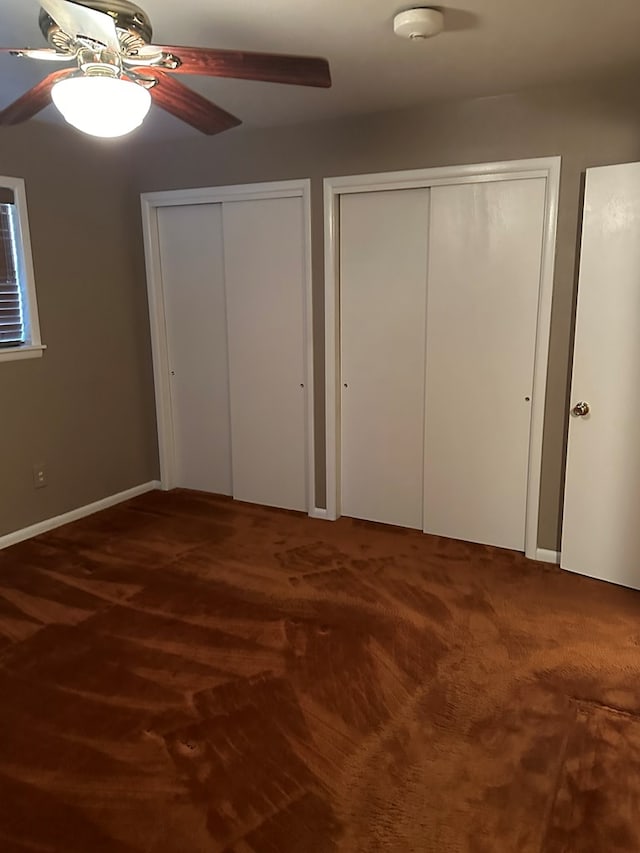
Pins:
<point x="117" y="71"/>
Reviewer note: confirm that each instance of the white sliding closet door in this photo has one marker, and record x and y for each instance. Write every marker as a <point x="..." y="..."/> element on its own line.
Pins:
<point x="191" y="255"/>
<point x="383" y="273"/>
<point x="484" y="279"/>
<point x="265" y="274"/>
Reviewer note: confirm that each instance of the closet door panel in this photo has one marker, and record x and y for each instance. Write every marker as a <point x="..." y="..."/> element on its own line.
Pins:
<point x="484" y="278"/>
<point x="191" y="254"/>
<point x="264" y="275"/>
<point x="383" y="274"/>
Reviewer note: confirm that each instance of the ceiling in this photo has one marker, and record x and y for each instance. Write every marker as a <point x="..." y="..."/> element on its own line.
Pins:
<point x="489" y="47"/>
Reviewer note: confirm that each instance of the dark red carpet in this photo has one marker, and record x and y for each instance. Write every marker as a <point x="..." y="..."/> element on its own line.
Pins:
<point x="183" y="674"/>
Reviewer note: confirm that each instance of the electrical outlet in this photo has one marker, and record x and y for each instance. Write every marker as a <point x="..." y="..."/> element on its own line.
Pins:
<point x="39" y="476"/>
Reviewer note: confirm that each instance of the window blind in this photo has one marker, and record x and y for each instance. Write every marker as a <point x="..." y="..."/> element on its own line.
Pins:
<point x="11" y="321"/>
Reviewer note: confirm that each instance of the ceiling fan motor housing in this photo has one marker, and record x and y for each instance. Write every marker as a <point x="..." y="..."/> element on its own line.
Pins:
<point x="418" y="24"/>
<point x="131" y="21"/>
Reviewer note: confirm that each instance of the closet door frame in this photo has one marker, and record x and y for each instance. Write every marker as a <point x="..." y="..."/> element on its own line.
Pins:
<point x="543" y="167"/>
<point x="150" y="203"/>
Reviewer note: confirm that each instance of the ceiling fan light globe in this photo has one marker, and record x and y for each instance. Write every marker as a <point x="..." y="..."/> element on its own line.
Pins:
<point x="102" y="106"/>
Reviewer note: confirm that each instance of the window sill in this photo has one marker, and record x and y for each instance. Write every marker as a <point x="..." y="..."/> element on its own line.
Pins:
<point x="16" y="353"/>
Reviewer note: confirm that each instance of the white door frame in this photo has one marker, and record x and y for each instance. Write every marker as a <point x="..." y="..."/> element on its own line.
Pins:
<point x="543" y="167"/>
<point x="216" y="195"/>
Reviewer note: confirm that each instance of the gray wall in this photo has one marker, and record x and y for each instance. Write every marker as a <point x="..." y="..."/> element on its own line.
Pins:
<point x="87" y="408"/>
<point x="587" y="125"/>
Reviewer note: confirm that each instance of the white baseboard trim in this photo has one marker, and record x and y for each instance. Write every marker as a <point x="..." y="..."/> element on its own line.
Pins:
<point x="545" y="556"/>
<point x="318" y="512"/>
<point x="75" y="514"/>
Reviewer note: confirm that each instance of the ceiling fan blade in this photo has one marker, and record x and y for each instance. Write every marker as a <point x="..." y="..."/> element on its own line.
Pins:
<point x="46" y="53"/>
<point x="77" y="21"/>
<point x="187" y="105"/>
<point x="34" y="100"/>
<point x="269" y="67"/>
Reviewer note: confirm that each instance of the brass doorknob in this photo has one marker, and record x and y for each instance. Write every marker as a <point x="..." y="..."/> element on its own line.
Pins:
<point x="580" y="409"/>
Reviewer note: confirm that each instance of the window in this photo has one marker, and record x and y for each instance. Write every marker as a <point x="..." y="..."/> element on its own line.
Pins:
<point x="11" y="324"/>
<point x="19" y="329"/>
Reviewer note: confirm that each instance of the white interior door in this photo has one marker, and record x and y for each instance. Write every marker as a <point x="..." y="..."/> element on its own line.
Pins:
<point x="265" y="274"/>
<point x="383" y="274"/>
<point x="191" y="254"/>
<point x="601" y="529"/>
<point x="484" y="279"/>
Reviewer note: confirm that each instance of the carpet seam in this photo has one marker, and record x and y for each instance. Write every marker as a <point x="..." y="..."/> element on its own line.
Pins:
<point x="558" y="779"/>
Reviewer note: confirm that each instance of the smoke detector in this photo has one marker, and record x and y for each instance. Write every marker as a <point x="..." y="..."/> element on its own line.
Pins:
<point x="417" y="24"/>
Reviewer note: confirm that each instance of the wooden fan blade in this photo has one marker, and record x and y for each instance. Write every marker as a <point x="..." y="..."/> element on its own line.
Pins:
<point x="187" y="105"/>
<point x="269" y="67"/>
<point x="34" y="100"/>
